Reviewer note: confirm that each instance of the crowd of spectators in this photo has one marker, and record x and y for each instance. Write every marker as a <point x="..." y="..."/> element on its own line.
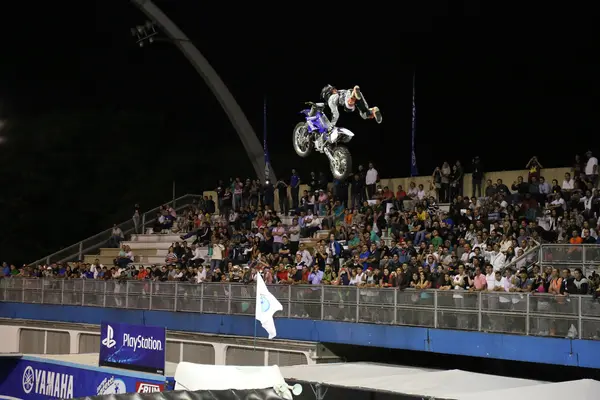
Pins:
<point x="358" y="232"/>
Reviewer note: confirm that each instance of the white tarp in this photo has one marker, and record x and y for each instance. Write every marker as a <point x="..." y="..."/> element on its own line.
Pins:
<point x="584" y="389"/>
<point x="189" y="376"/>
<point x="340" y="374"/>
<point x="404" y="380"/>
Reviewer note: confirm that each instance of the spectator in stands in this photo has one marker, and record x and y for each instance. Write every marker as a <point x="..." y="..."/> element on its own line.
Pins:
<point x="591" y="169"/>
<point x="457" y="178"/>
<point x="534" y="167"/>
<point x="282" y="190"/>
<point x="216" y="258"/>
<point x="137" y="219"/>
<point x="124" y="258"/>
<point x="477" y="176"/>
<point x="446" y="173"/>
<point x="116" y="237"/>
<point x="295" y="189"/>
<point x="371" y="179"/>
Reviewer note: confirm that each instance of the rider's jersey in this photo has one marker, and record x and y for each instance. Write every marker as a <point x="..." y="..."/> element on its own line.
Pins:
<point x="335" y="101"/>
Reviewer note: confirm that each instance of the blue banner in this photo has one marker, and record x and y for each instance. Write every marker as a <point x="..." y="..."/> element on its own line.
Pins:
<point x="135" y="347"/>
<point x="23" y="378"/>
<point x="414" y="171"/>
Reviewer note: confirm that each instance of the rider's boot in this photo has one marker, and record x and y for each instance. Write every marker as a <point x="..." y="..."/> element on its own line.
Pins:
<point x="356" y="93"/>
<point x="375" y="113"/>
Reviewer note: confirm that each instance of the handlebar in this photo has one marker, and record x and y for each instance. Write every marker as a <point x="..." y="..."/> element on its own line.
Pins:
<point x="310" y="103"/>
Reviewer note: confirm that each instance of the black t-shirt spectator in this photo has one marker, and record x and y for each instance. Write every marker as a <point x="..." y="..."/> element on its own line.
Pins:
<point x="284" y="250"/>
<point x="282" y="189"/>
<point x="581" y="286"/>
<point x="217" y="276"/>
<point x="502" y="189"/>
<point x="297" y="277"/>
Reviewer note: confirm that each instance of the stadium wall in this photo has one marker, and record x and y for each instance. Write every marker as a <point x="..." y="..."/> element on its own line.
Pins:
<point x="557" y="351"/>
<point x="62" y="338"/>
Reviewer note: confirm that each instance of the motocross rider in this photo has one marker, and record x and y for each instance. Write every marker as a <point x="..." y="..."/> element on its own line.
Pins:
<point x="350" y="99"/>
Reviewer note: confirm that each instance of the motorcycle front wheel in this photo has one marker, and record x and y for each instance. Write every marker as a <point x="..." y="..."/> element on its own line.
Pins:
<point x="302" y="140"/>
<point x="341" y="163"/>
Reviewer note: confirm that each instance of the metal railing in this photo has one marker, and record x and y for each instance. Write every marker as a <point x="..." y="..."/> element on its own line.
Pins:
<point x="77" y="250"/>
<point x="501" y="312"/>
<point x="527" y="259"/>
<point x="586" y="256"/>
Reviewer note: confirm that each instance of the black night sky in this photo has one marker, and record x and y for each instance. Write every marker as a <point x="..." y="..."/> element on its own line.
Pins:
<point x="94" y="124"/>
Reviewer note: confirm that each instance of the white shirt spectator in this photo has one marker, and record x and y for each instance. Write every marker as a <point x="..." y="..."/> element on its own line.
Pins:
<point x="467" y="256"/>
<point x="294" y="232"/>
<point x="497" y="259"/>
<point x="371" y="177"/>
<point x="504" y="245"/>
<point x="560" y="202"/>
<point x="568" y="184"/>
<point x="96" y="269"/>
<point x="412" y="193"/>
<point x="217" y="252"/>
<point x="589" y="167"/>
<point x="201" y="275"/>
<point x="197" y="254"/>
<point x="491" y="280"/>
<point x="306" y="257"/>
<point x="587" y="202"/>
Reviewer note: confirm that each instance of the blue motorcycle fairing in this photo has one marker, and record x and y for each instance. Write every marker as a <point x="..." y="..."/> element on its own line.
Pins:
<point x="316" y="122"/>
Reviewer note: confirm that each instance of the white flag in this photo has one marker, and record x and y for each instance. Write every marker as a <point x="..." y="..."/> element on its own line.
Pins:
<point x="266" y="306"/>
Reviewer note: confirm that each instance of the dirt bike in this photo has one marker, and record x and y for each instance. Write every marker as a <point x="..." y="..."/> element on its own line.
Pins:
<point x="315" y="133"/>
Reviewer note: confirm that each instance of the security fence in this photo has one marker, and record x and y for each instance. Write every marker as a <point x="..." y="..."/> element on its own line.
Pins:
<point x="500" y="312"/>
<point x="585" y="256"/>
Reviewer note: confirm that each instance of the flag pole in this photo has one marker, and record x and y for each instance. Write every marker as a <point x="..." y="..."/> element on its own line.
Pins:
<point x="413" y="156"/>
<point x="265" y="148"/>
<point x="255" y="322"/>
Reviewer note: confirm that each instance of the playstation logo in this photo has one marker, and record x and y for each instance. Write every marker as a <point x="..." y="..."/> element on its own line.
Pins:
<point x="109" y="341"/>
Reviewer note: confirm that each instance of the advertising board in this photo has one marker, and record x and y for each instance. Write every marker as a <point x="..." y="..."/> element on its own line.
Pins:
<point x="134" y="347"/>
<point x="25" y="379"/>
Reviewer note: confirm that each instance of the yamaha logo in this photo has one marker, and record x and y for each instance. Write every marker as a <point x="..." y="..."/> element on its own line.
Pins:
<point x="48" y="383"/>
<point x="28" y="379"/>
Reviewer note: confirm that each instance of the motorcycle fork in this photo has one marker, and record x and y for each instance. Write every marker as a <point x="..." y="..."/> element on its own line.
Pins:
<point x="329" y="155"/>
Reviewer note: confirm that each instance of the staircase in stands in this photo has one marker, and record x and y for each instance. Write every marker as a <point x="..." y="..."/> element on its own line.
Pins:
<point x="151" y="249"/>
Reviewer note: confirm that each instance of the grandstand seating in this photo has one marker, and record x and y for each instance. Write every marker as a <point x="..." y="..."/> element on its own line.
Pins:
<point x="152" y="249"/>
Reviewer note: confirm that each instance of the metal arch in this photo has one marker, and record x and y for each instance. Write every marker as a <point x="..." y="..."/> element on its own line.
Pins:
<point x="234" y="112"/>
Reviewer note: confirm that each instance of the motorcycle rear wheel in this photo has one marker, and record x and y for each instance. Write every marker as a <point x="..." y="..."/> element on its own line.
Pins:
<point x="302" y="140"/>
<point x="341" y="165"/>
